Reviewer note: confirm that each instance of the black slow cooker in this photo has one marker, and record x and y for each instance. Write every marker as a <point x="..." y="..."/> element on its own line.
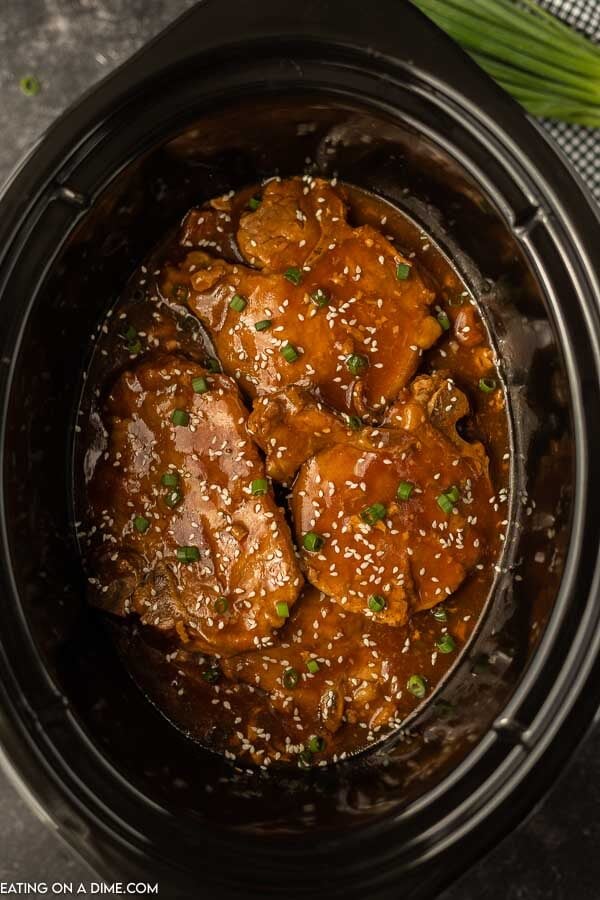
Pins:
<point x="376" y="95"/>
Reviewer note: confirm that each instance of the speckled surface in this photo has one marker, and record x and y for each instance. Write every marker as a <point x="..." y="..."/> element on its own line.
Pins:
<point x="69" y="45"/>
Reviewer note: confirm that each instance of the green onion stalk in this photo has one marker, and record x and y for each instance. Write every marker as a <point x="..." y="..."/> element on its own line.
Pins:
<point x="552" y="70"/>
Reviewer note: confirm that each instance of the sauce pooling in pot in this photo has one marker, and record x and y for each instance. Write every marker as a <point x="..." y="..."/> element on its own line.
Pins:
<point x="295" y="460"/>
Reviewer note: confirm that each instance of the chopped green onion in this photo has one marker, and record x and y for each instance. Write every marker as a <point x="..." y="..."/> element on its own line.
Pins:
<point x="173" y="498"/>
<point x="259" y="486"/>
<point x="180" y="417"/>
<point x="446" y="644"/>
<point x="313" y="666"/>
<point x="263" y="325"/>
<point x="444" y="321"/>
<point x="181" y="292"/>
<point x="134" y="347"/>
<point x="30" y="85"/>
<point x="200" y="385"/>
<point x="487" y="385"/>
<point x="221" y="605"/>
<point x="316" y="744"/>
<point x="313" y="541"/>
<point x="320" y="297"/>
<point x="290" y="678"/>
<point x="254" y="203"/>
<point x="170" y="479"/>
<point x="355" y="423"/>
<point x="405" y="489"/>
<point x="238" y="303"/>
<point x="376" y="603"/>
<point x="289" y="353"/>
<point x="130" y="333"/>
<point x="402" y="271"/>
<point x="188" y="554"/>
<point x="417" y="685"/>
<point x="356" y="362"/>
<point x="211" y="675"/>
<point x="282" y="609"/>
<point x="453" y="494"/>
<point x="212" y="364"/>
<point x="445" y="503"/>
<point x="439" y="613"/>
<point x="293" y="274"/>
<point x="141" y="524"/>
<point x="374" y="513"/>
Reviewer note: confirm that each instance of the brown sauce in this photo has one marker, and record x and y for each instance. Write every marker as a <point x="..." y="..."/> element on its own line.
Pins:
<point x="326" y="679"/>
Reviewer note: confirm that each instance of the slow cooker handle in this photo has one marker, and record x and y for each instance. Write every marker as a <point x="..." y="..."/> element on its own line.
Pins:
<point x="414" y="41"/>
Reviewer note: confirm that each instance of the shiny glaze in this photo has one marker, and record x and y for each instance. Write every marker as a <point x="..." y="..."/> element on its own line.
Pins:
<point x="366" y="309"/>
<point x="224" y="692"/>
<point x="417" y="553"/>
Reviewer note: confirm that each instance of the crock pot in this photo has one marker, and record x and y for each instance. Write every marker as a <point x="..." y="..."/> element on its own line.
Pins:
<point x="377" y="96"/>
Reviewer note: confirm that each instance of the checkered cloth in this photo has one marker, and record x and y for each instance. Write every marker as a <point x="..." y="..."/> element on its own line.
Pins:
<point x="581" y="145"/>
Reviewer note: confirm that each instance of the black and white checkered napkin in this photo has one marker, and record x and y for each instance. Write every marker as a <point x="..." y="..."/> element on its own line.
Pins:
<point x="581" y="145"/>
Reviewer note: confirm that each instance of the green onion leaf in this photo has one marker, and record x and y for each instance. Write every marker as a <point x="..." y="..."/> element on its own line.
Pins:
<point x="141" y="524"/>
<point x="212" y="364"/>
<point x="211" y="675"/>
<point x="316" y="744"/>
<point x="254" y="203"/>
<point x="402" y="271"/>
<point x="374" y="513"/>
<point x="405" y="489"/>
<point x="487" y="385"/>
<point x="290" y="678"/>
<point x="313" y="666"/>
<point x="221" y="605"/>
<point x="313" y="541"/>
<point x="30" y="85"/>
<point x="320" y="297"/>
<point x="134" y="347"/>
<point x="263" y="325"/>
<point x="547" y="66"/>
<point x="188" y="554"/>
<point x="170" y="479"/>
<point x="259" y="486"/>
<point x="200" y="385"/>
<point x="173" y="498"/>
<point x="376" y="603"/>
<point x="293" y="274"/>
<point x="289" y="353"/>
<point x="356" y="362"/>
<point x="417" y="685"/>
<point x="282" y="609"/>
<point x="445" y="503"/>
<point x="439" y="613"/>
<point x="453" y="494"/>
<point x="238" y="303"/>
<point x="355" y="423"/>
<point x="444" y="321"/>
<point x="180" y="417"/>
<point x="446" y="644"/>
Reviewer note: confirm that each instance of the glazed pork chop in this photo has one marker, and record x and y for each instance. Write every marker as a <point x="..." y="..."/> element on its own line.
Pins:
<point x="325" y="306"/>
<point x="187" y="534"/>
<point x="329" y="667"/>
<point x="390" y="520"/>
